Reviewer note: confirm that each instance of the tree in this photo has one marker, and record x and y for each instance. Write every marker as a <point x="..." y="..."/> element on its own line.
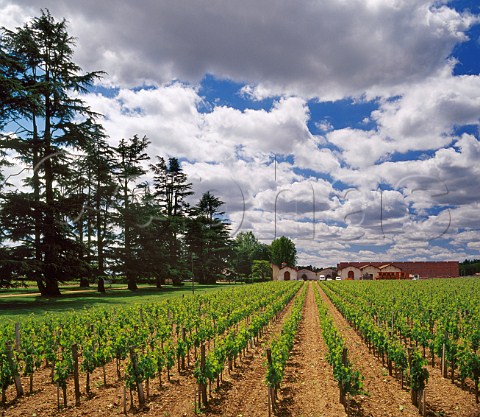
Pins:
<point x="171" y="189"/>
<point x="150" y="242"/>
<point x="41" y="81"/>
<point x="14" y="97"/>
<point x="261" y="270"/>
<point x="247" y="249"/>
<point x="129" y="157"/>
<point x="208" y="241"/>
<point x="93" y="191"/>
<point x="283" y="250"/>
<point x="171" y="186"/>
<point x="5" y="272"/>
<point x="469" y="267"/>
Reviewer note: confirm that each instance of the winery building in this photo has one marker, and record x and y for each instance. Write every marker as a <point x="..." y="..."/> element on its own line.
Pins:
<point x="397" y="270"/>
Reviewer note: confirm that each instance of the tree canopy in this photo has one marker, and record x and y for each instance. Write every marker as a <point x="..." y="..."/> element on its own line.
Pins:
<point x="283" y="251"/>
<point x="40" y="82"/>
<point x="248" y="249"/>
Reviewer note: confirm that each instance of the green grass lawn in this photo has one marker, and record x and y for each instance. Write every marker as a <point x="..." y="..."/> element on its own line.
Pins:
<point x="31" y="287"/>
<point x="20" y="304"/>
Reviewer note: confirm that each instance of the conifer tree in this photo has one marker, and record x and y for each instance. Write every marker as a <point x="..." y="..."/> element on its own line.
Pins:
<point x="171" y="188"/>
<point x="52" y="121"/>
<point x="208" y="239"/>
<point x="129" y="168"/>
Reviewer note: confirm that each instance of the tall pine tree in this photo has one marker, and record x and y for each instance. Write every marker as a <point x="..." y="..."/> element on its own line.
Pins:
<point x="92" y="193"/>
<point x="129" y="168"/>
<point x="171" y="188"/>
<point x="52" y="121"/>
<point x="208" y="240"/>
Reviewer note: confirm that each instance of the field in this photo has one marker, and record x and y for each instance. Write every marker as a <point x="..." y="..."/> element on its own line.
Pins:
<point x="279" y="348"/>
<point x="18" y="303"/>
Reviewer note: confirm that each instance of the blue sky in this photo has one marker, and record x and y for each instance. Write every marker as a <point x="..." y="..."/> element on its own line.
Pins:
<point x="350" y="127"/>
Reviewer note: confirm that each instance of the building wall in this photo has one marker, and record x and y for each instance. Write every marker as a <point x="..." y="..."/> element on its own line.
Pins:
<point x="444" y="269"/>
<point x="357" y="273"/>
<point x="292" y="271"/>
<point x="391" y="268"/>
<point x="275" y="271"/>
<point x="432" y="269"/>
<point x="327" y="272"/>
<point x="370" y="269"/>
<point x="392" y="275"/>
<point x="311" y="276"/>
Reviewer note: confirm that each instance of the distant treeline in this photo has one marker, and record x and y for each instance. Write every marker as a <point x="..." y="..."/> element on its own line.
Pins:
<point x="469" y="267"/>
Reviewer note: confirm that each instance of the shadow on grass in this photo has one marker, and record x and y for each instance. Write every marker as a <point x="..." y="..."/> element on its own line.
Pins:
<point x="17" y="306"/>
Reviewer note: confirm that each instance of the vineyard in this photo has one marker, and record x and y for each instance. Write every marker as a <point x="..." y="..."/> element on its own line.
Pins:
<point x="278" y="348"/>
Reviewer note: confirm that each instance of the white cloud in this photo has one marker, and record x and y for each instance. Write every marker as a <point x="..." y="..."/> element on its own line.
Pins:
<point x="329" y="50"/>
<point x="324" y="125"/>
<point x="276" y="131"/>
<point x="169" y="116"/>
<point x="311" y="155"/>
<point x="424" y="117"/>
<point x="250" y="186"/>
<point x="359" y="148"/>
<point x="12" y="15"/>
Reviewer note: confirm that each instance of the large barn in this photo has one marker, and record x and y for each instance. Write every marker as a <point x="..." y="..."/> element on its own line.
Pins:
<point x="397" y="270"/>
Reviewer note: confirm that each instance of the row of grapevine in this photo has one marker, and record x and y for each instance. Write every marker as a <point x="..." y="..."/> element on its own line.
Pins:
<point x="233" y="343"/>
<point x="441" y="316"/>
<point x="385" y="343"/>
<point x="349" y="380"/>
<point x="159" y="333"/>
<point x="279" y="351"/>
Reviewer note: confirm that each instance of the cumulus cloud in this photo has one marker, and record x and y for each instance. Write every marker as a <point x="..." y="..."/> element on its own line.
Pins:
<point x="330" y="49"/>
<point x="169" y="115"/>
<point x="12" y="15"/>
<point x="424" y="117"/>
<point x="312" y="155"/>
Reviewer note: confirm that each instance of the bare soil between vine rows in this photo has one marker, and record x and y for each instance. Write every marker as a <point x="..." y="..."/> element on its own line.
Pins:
<point x="385" y="396"/>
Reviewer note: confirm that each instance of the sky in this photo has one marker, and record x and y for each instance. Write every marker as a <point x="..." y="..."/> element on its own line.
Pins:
<point x="349" y="126"/>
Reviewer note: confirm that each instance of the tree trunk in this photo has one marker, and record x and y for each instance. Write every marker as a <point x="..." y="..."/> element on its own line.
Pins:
<point x="51" y="283"/>
<point x="101" y="285"/>
<point x="476" y="388"/>
<point x="99" y="229"/>
<point x="90" y="228"/>
<point x="41" y="286"/>
<point x="87" y="384"/>
<point x="51" y="261"/>
<point x="37" y="213"/>
<point x="81" y="255"/>
<point x="131" y="281"/>
<point x="64" y="390"/>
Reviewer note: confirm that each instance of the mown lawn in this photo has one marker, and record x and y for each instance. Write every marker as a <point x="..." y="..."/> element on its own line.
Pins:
<point x="16" y="305"/>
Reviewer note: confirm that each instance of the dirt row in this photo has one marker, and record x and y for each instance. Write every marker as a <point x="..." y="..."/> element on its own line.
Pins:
<point x="309" y="388"/>
<point x="385" y="395"/>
